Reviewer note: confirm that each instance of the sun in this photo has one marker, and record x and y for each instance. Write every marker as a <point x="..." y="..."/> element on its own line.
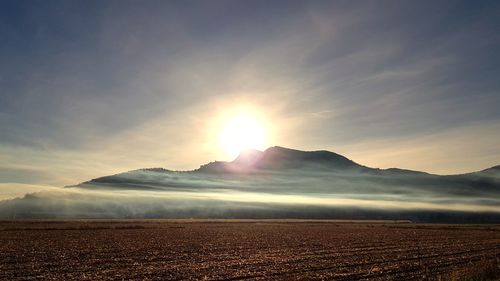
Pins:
<point x="243" y="131"/>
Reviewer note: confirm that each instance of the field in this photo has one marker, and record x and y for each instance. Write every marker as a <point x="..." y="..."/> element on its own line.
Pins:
<point x="233" y="250"/>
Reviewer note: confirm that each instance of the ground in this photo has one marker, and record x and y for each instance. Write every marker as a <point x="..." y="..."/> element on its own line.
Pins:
<point x="233" y="249"/>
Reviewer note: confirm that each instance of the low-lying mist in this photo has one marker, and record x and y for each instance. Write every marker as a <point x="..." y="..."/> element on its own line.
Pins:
<point x="276" y="183"/>
<point x="304" y="193"/>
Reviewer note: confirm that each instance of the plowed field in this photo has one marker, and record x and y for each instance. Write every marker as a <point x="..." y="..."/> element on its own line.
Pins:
<point x="233" y="250"/>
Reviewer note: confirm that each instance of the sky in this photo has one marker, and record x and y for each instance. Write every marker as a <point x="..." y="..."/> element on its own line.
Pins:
<point x="92" y="88"/>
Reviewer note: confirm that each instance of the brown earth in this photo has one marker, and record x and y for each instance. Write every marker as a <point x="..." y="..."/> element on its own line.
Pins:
<point x="232" y="250"/>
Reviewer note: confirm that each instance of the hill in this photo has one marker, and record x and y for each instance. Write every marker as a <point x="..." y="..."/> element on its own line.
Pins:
<point x="281" y="182"/>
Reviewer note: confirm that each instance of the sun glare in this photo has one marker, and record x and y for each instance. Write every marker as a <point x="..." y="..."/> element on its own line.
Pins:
<point x="243" y="131"/>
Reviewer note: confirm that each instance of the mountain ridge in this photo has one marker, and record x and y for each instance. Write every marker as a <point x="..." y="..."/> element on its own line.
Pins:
<point x="283" y="160"/>
<point x="277" y="158"/>
<point x="276" y="183"/>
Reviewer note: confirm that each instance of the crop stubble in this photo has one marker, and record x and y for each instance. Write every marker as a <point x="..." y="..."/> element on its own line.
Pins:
<point x="233" y="250"/>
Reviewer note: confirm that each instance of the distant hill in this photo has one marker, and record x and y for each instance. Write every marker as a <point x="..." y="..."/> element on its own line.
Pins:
<point x="283" y="170"/>
<point x="280" y="158"/>
<point x="282" y="182"/>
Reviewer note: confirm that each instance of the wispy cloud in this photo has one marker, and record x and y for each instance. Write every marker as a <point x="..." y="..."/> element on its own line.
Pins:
<point x="111" y="87"/>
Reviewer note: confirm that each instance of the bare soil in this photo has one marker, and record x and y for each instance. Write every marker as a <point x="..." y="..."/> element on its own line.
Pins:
<point x="239" y="249"/>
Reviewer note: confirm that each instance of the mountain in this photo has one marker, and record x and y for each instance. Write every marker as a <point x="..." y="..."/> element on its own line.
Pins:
<point x="283" y="170"/>
<point x="493" y="172"/>
<point x="279" y="158"/>
<point x="278" y="183"/>
<point x="280" y="170"/>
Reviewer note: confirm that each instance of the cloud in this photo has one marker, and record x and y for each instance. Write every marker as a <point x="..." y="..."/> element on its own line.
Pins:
<point x="106" y="87"/>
